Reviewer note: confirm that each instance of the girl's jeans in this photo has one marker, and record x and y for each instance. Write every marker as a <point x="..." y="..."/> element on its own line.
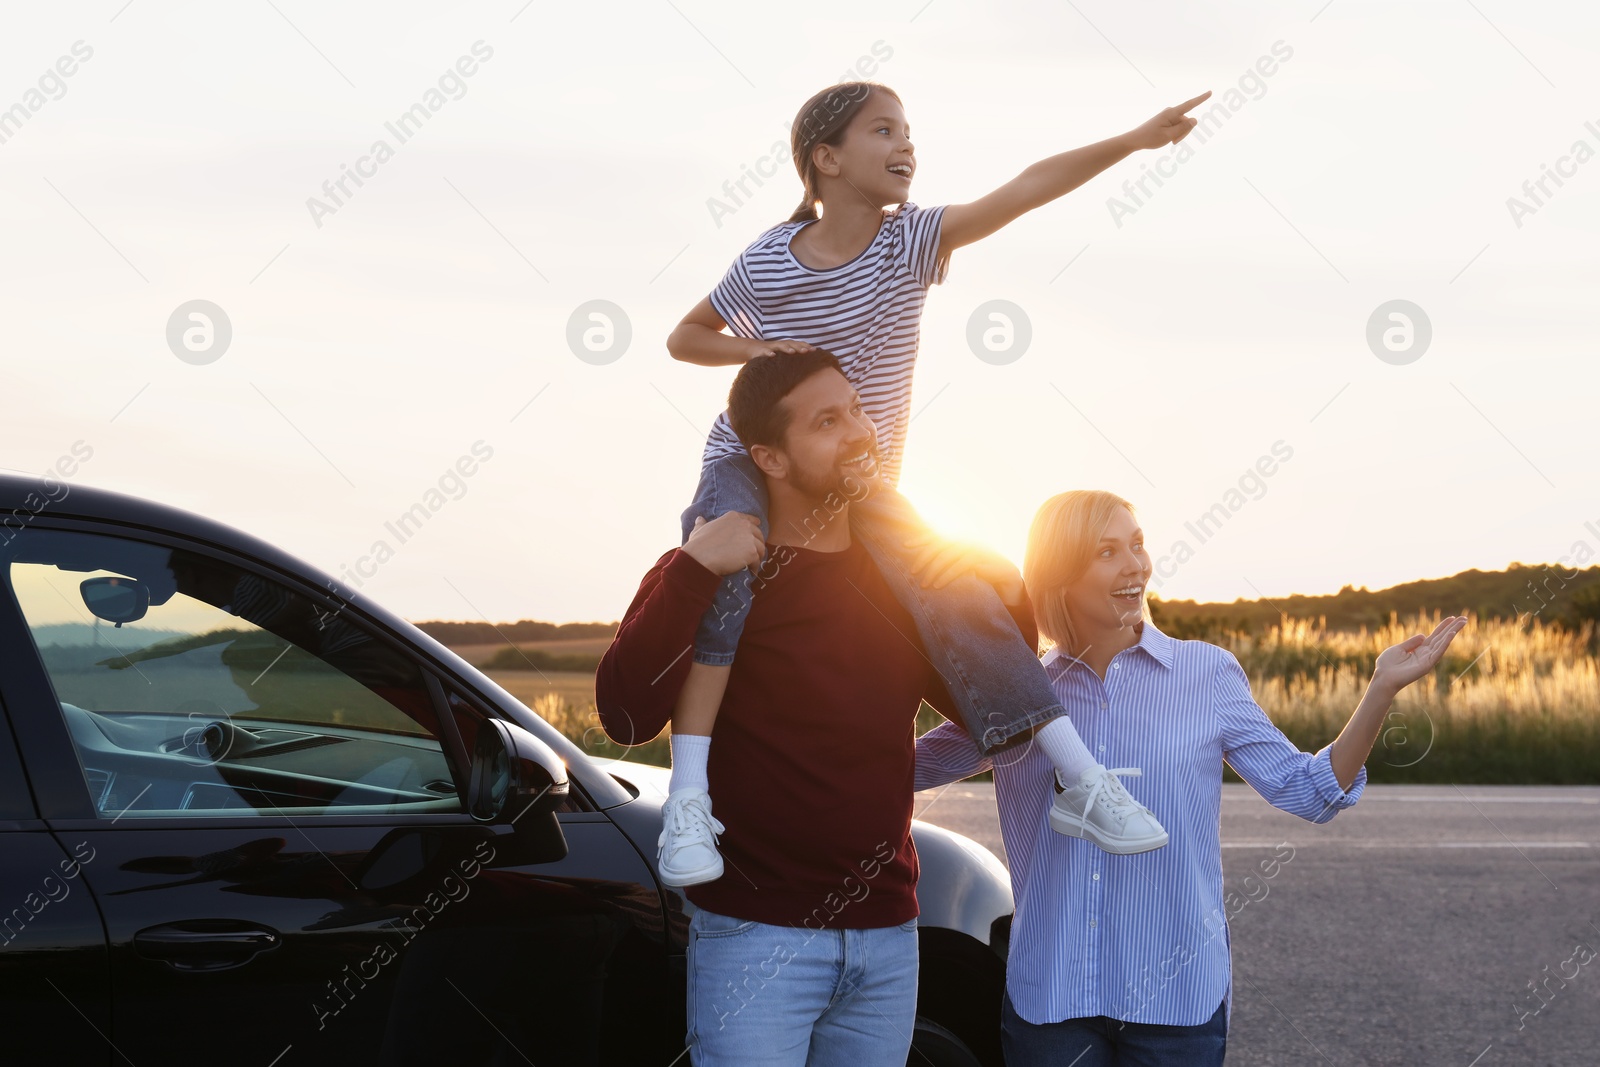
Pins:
<point x="995" y="679"/>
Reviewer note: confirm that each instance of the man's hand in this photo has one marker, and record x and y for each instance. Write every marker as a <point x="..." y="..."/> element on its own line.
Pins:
<point x="727" y="543"/>
<point x="1169" y="126"/>
<point x="773" y="348"/>
<point x="940" y="562"/>
<point x="1400" y="665"/>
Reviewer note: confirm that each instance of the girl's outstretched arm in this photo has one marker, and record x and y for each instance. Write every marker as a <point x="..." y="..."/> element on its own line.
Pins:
<point x="1057" y="176"/>
<point x="1397" y="667"/>
<point x="699" y="339"/>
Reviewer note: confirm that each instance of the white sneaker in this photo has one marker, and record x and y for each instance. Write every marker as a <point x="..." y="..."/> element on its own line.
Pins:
<point x="687" y="850"/>
<point x="1099" y="810"/>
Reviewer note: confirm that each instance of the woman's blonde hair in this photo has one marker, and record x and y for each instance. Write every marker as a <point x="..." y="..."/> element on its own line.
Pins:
<point x="1061" y="543"/>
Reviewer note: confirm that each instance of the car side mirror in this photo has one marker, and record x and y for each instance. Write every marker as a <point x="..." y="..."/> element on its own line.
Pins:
<point x="117" y="600"/>
<point x="518" y="781"/>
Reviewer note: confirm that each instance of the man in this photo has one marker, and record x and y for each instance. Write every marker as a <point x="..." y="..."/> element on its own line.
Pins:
<point x="805" y="951"/>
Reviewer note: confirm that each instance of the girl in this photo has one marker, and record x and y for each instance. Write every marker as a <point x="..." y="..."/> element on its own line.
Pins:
<point x="1125" y="959"/>
<point x="851" y="278"/>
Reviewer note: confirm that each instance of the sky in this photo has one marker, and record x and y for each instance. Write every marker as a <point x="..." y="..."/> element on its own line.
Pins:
<point x="1222" y="342"/>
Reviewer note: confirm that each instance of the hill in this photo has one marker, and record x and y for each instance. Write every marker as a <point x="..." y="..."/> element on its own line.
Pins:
<point x="498" y="633"/>
<point x="101" y="635"/>
<point x="1548" y="592"/>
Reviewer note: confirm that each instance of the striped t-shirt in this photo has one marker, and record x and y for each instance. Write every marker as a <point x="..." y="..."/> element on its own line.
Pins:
<point x="868" y="312"/>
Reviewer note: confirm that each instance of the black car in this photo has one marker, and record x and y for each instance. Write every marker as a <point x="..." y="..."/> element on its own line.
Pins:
<point x="247" y="816"/>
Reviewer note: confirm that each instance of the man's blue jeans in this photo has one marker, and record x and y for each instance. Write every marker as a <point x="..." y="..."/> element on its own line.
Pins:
<point x="999" y="688"/>
<point x="1105" y="1042"/>
<point x="790" y="996"/>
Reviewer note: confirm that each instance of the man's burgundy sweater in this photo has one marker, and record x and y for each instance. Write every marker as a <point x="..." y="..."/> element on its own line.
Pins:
<point x="813" y="754"/>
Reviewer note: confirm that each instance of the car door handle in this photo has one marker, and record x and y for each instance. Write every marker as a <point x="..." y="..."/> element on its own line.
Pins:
<point x="205" y="944"/>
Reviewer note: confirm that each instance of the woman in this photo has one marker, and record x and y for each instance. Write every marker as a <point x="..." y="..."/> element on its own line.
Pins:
<point x="1124" y="958"/>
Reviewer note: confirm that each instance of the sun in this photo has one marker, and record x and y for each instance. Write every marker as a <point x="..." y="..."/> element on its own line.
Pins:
<point x="948" y="510"/>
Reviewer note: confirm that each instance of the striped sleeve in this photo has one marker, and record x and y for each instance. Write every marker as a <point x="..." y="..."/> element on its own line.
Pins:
<point x="1291" y="780"/>
<point x="735" y="300"/>
<point x="921" y="244"/>
<point x="946" y="754"/>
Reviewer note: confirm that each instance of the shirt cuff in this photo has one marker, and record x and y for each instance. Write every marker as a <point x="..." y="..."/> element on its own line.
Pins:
<point x="690" y="575"/>
<point x="1326" y="782"/>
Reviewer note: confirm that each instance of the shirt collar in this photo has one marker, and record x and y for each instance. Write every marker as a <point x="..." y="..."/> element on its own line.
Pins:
<point x="1155" y="644"/>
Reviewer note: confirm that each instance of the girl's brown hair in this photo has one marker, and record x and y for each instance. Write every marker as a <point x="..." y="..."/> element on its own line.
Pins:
<point x="1066" y="531"/>
<point x="823" y="120"/>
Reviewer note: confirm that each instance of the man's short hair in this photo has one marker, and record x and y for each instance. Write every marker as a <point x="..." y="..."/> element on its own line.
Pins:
<point x="755" y="403"/>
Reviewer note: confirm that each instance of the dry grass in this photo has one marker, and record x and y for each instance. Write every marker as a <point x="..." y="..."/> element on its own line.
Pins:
<point x="530" y="687"/>
<point x="566" y="701"/>
<point x="1508" y="704"/>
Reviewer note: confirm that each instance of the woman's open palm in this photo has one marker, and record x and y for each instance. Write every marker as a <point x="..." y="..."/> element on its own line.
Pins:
<point x="1402" y="664"/>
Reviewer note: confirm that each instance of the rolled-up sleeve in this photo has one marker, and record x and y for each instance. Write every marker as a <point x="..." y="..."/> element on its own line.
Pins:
<point x="1327" y="783"/>
<point x="1297" y="782"/>
<point x="947" y="754"/>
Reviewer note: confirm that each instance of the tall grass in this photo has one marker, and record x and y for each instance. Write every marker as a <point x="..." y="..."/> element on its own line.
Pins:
<point x="580" y="722"/>
<point x="1510" y="703"/>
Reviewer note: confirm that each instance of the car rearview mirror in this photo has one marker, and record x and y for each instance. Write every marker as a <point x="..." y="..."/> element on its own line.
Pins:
<point x="518" y="780"/>
<point x="117" y="600"/>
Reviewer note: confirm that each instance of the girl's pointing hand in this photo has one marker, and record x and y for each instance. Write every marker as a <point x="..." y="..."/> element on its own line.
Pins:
<point x="1169" y="126"/>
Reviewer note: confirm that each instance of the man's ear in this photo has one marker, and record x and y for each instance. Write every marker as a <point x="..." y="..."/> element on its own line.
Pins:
<point x="769" y="461"/>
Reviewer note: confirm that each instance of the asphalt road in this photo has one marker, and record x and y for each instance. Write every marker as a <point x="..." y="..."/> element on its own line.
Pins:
<point x="1406" y="931"/>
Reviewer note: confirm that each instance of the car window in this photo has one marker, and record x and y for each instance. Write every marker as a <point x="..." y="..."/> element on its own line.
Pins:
<point x="230" y="694"/>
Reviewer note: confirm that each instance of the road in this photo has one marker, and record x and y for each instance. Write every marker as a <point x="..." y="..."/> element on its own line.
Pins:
<point x="1408" y="930"/>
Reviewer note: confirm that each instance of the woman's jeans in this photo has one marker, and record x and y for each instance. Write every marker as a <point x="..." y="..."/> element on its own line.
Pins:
<point x="999" y="688"/>
<point x="1106" y="1042"/>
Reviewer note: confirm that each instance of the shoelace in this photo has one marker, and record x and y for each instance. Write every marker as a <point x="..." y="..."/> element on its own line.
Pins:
<point x="680" y="824"/>
<point x="1108" y="788"/>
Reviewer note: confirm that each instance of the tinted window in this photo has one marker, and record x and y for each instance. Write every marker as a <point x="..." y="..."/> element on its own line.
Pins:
<point x="232" y="694"/>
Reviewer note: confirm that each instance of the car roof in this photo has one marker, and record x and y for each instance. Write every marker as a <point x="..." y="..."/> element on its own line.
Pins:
<point x="28" y="496"/>
<point x="23" y="494"/>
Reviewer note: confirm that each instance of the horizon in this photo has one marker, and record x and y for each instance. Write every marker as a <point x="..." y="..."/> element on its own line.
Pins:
<point x="73" y="622"/>
<point x="1580" y="548"/>
<point x="1168" y="600"/>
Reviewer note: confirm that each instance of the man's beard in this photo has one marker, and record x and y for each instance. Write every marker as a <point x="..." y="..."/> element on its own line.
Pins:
<point x="835" y="480"/>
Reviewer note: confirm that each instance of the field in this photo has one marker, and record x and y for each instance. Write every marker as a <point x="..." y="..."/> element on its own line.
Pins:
<point x="1510" y="703"/>
<point x="565" y="699"/>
